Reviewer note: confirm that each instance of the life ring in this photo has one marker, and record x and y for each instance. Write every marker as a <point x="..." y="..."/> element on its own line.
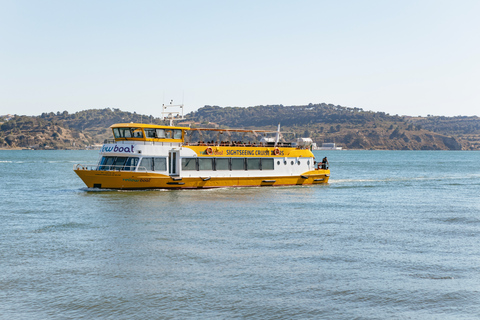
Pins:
<point x="276" y="151"/>
<point x="209" y="151"/>
<point x="319" y="164"/>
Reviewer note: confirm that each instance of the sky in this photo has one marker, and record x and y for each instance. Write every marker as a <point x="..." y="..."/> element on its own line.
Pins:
<point x="400" y="57"/>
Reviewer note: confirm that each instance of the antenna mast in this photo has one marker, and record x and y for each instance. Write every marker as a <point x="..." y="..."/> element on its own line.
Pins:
<point x="172" y="115"/>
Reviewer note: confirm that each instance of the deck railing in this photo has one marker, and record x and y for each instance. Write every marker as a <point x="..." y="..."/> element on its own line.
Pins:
<point x="220" y="144"/>
<point x="238" y="144"/>
<point x="94" y="167"/>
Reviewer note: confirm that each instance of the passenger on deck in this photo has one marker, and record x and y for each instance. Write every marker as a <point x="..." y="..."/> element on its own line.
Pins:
<point x="325" y="163"/>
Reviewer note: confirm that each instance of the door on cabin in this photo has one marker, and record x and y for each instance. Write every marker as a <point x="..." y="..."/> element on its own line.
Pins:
<point x="173" y="162"/>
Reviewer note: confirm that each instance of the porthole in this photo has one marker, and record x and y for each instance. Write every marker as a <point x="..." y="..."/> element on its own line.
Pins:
<point x="278" y="162"/>
<point x="292" y="163"/>
<point x="285" y="162"/>
<point x="298" y="162"/>
<point x="308" y="162"/>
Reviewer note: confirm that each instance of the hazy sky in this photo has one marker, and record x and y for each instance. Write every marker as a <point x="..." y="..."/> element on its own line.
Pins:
<point x="400" y="57"/>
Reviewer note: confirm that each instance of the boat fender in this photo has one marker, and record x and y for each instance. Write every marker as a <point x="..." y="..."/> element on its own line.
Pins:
<point x="276" y="151"/>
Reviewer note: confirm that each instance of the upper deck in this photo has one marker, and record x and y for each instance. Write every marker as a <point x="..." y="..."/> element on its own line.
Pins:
<point x="138" y="132"/>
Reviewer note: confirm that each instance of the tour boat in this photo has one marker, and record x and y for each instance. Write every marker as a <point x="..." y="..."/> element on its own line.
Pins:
<point x="147" y="156"/>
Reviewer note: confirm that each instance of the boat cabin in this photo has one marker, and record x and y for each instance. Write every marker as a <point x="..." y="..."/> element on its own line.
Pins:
<point x="148" y="132"/>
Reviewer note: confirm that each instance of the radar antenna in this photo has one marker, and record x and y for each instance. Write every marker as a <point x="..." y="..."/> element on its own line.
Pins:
<point x="172" y="115"/>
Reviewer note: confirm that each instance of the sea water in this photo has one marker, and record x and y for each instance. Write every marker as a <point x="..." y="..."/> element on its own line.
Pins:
<point x="394" y="235"/>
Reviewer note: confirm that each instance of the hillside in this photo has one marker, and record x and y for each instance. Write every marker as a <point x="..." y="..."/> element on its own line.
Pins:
<point x="63" y="130"/>
<point x="351" y="128"/>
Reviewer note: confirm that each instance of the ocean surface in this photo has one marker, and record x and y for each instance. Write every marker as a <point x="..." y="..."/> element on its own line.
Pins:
<point x="394" y="235"/>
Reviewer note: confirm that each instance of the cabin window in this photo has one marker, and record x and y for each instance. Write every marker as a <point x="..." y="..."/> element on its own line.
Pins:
<point x="163" y="134"/>
<point x="106" y="163"/>
<point x="137" y="133"/>
<point x="122" y="133"/>
<point x="222" y="164"/>
<point x="177" y="134"/>
<point x="153" y="164"/>
<point x="253" y="164"/>
<point x="131" y="164"/>
<point x="119" y="163"/>
<point x="125" y="132"/>
<point x="160" y="133"/>
<point x="102" y="161"/>
<point x="160" y="164"/>
<point x="267" y="164"/>
<point x="109" y="162"/>
<point x="146" y="164"/>
<point x="128" y="133"/>
<point x="189" y="164"/>
<point x="150" y="133"/>
<point x="205" y="164"/>
<point x="238" y="163"/>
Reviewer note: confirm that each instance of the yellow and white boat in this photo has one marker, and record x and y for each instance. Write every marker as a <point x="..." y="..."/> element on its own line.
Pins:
<point x="146" y="156"/>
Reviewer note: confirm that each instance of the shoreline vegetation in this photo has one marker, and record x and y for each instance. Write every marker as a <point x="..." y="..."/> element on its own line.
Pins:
<point x="349" y="128"/>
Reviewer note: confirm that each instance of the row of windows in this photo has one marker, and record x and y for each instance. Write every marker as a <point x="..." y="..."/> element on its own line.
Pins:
<point x="128" y="133"/>
<point x="293" y="162"/>
<point x="130" y="164"/>
<point x="118" y="163"/>
<point x="199" y="164"/>
<point x="164" y="133"/>
<point x="149" y="133"/>
<point x="153" y="164"/>
<point x="188" y="164"/>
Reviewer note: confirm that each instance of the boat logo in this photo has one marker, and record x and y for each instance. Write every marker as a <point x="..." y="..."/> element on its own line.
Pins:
<point x="215" y="152"/>
<point x="115" y="148"/>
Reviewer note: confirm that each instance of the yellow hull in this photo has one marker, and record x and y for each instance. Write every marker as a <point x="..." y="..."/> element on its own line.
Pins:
<point x="142" y="180"/>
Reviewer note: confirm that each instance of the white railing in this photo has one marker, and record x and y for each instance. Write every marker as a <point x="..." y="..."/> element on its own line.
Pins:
<point x="84" y="167"/>
<point x="94" y="167"/>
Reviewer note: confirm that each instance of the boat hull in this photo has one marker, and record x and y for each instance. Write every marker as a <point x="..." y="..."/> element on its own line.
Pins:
<point x="124" y="180"/>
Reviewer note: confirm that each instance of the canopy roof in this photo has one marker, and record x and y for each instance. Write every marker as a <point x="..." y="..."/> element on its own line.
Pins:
<point x="232" y="130"/>
<point x="154" y="126"/>
<point x="145" y="126"/>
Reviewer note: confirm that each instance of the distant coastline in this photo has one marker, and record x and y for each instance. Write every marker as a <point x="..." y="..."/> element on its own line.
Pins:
<point x="349" y="128"/>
